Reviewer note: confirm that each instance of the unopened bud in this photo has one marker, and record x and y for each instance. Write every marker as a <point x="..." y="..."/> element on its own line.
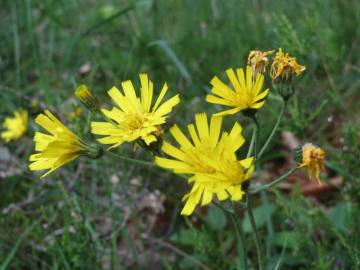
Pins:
<point x="90" y="101"/>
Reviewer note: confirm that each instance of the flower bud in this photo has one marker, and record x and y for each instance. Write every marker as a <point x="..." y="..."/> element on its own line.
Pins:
<point x="86" y="97"/>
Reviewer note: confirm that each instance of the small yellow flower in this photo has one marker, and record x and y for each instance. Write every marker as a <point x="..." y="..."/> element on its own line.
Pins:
<point x="84" y="95"/>
<point x="134" y="118"/>
<point x="16" y="126"/>
<point x="55" y="149"/>
<point x="313" y="158"/>
<point x="245" y="95"/>
<point x="210" y="159"/>
<point x="258" y="60"/>
<point x="284" y="65"/>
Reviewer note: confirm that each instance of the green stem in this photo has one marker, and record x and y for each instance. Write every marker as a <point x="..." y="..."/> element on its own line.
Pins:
<point x="276" y="126"/>
<point x="239" y="233"/>
<point x="274" y="182"/>
<point x="253" y="225"/>
<point x="240" y="236"/>
<point x="132" y="160"/>
<point x="252" y="142"/>
<point x="257" y="132"/>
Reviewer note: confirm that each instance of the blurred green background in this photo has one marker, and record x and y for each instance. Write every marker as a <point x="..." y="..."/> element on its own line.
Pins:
<point x="107" y="214"/>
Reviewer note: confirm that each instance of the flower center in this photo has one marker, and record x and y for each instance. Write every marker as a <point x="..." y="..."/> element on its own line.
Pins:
<point x="134" y="121"/>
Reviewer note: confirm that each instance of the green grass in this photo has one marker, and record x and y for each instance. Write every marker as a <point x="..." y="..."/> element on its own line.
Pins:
<point x="95" y="214"/>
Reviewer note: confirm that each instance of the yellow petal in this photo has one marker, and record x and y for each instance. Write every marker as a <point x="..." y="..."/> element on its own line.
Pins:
<point x="193" y="134"/>
<point x="173" y="151"/>
<point x="215" y="129"/>
<point x="180" y="137"/>
<point x="229" y="112"/>
<point x="167" y="106"/>
<point x="218" y="100"/>
<point x="257" y="105"/>
<point x="246" y="163"/>
<point x="221" y="89"/>
<point x="160" y="97"/>
<point x="202" y="125"/>
<point x="233" y="79"/>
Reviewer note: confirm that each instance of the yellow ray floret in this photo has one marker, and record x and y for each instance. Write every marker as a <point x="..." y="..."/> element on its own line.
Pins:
<point x="55" y="149"/>
<point x="244" y="94"/>
<point x="15" y="126"/>
<point x="134" y="118"/>
<point x="209" y="157"/>
<point x="313" y="158"/>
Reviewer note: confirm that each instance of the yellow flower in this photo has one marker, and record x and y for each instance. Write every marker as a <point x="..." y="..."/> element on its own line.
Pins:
<point x="258" y="60"/>
<point x="284" y="65"/>
<point x="247" y="95"/>
<point x="134" y="118"/>
<point x="211" y="160"/>
<point x="313" y="158"/>
<point x="16" y="126"/>
<point x="55" y="149"/>
<point x="84" y="95"/>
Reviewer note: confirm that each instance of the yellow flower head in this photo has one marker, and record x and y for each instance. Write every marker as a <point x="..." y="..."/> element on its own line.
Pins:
<point x="313" y="158"/>
<point x="55" y="149"/>
<point x="210" y="157"/>
<point x="134" y="118"/>
<point x="245" y="93"/>
<point x="16" y="126"/>
<point x="258" y="60"/>
<point x="84" y="95"/>
<point x="284" y="65"/>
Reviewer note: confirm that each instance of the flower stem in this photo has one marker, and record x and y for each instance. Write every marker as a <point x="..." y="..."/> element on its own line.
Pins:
<point x="131" y="160"/>
<point x="242" y="253"/>
<point x="240" y="237"/>
<point x="252" y="142"/>
<point x="274" y="182"/>
<point x="253" y="225"/>
<point x="276" y="126"/>
<point x="257" y="132"/>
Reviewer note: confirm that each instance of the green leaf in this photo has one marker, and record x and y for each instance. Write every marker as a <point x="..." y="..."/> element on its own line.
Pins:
<point x="215" y="218"/>
<point x="340" y="215"/>
<point x="185" y="237"/>
<point x="288" y="239"/>
<point x="261" y="214"/>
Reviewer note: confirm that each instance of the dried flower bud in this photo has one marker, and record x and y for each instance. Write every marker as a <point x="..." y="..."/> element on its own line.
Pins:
<point x="313" y="158"/>
<point x="258" y="60"/>
<point x="284" y="66"/>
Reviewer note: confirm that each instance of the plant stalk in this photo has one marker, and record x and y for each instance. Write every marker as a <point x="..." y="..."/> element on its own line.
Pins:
<point x="239" y="233"/>
<point x="276" y="126"/>
<point x="253" y="225"/>
<point x="131" y="160"/>
<point x="274" y="182"/>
